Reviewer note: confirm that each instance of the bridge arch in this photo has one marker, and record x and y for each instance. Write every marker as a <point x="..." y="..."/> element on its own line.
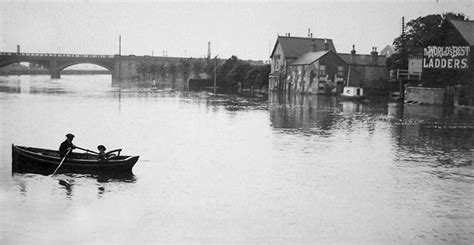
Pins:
<point x="10" y="62"/>
<point x="65" y="66"/>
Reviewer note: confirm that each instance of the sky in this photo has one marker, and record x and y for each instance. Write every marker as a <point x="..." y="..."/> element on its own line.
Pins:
<point x="247" y="29"/>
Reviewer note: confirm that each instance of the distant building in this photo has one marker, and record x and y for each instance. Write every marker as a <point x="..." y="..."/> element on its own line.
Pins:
<point x="372" y="67"/>
<point x="286" y="50"/>
<point x="312" y="65"/>
<point x="388" y="51"/>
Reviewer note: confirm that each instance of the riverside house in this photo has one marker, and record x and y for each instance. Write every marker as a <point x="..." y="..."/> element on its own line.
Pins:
<point x="320" y="72"/>
<point x="312" y="65"/>
<point x="288" y="49"/>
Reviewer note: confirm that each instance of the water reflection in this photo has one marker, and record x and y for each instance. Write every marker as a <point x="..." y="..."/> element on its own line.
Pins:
<point x="431" y="135"/>
<point x="303" y="111"/>
<point x="68" y="182"/>
<point x="298" y="164"/>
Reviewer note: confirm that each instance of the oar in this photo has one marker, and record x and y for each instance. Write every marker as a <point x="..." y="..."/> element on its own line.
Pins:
<point x="87" y="150"/>
<point x="61" y="163"/>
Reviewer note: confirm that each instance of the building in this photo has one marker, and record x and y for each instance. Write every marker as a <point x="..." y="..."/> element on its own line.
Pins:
<point x="372" y="67"/>
<point x="320" y="72"/>
<point x="388" y="51"/>
<point x="286" y="50"/>
<point x="448" y="61"/>
<point x="312" y="65"/>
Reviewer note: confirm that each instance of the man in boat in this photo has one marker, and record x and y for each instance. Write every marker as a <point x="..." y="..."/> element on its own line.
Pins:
<point x="66" y="145"/>
<point x="102" y="155"/>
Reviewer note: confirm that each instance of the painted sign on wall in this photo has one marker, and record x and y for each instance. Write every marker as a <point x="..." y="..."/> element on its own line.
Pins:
<point x="446" y="57"/>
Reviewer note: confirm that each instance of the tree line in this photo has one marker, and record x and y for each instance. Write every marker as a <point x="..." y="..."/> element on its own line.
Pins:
<point x="232" y="75"/>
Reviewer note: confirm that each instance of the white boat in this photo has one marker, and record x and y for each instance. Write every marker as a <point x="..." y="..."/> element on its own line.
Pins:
<point x="349" y="92"/>
<point x="355" y="93"/>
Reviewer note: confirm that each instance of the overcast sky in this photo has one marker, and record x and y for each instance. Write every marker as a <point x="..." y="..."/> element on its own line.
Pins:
<point x="247" y="29"/>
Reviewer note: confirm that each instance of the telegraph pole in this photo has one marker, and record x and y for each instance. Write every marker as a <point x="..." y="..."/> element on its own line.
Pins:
<point x="404" y="58"/>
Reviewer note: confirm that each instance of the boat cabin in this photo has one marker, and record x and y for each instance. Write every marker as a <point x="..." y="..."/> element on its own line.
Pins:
<point x="353" y="92"/>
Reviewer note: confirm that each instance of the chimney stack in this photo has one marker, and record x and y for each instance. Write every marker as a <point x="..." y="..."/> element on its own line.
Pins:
<point x="374" y="55"/>
<point x="314" y="47"/>
<point x="18" y="49"/>
<point x="326" y="44"/>
<point x="208" y="50"/>
<point x="353" y="53"/>
<point x="309" y="32"/>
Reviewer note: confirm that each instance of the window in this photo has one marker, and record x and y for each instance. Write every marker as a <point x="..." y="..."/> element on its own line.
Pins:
<point x="322" y="70"/>
<point x="276" y="63"/>
<point x="340" y="71"/>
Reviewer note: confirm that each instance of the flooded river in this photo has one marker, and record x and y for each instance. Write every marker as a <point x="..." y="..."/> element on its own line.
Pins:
<point x="224" y="169"/>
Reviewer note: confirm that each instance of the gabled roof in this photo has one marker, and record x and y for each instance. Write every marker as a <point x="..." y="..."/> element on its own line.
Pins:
<point x="466" y="29"/>
<point x="294" y="47"/>
<point x="309" y="58"/>
<point x="363" y="59"/>
<point x="388" y="50"/>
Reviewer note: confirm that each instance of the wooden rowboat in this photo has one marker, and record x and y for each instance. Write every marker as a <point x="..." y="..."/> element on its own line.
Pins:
<point x="44" y="161"/>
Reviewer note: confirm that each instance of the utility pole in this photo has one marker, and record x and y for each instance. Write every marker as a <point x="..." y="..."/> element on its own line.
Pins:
<point x="404" y="58"/>
<point x="215" y="76"/>
<point x="119" y="61"/>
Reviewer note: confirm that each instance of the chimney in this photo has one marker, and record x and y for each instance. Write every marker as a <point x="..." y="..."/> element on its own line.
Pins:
<point x="208" y="50"/>
<point x="309" y="32"/>
<point x="353" y="53"/>
<point x="326" y="44"/>
<point x="18" y="49"/>
<point x="313" y="46"/>
<point x="374" y="55"/>
<point x="311" y="35"/>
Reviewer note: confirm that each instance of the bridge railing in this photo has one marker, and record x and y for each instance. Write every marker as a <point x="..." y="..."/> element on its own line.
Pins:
<point x="97" y="56"/>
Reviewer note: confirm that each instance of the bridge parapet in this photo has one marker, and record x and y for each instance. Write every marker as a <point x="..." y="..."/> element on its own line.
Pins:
<point x="51" y="55"/>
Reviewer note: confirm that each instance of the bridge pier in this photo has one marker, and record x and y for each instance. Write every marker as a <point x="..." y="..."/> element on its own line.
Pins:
<point x="55" y="75"/>
<point x="53" y="64"/>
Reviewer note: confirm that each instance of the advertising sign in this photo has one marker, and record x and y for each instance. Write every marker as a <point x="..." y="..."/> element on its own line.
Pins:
<point x="446" y="57"/>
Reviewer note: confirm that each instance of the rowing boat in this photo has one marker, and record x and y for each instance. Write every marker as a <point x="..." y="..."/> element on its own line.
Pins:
<point x="44" y="161"/>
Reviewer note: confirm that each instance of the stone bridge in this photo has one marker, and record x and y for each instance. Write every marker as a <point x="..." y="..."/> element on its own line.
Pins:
<point x="121" y="67"/>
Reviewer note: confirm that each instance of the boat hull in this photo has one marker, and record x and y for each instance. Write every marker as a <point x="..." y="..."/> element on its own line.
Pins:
<point x="43" y="161"/>
<point x="346" y="97"/>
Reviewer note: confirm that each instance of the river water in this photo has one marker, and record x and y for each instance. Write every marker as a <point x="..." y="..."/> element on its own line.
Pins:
<point x="219" y="169"/>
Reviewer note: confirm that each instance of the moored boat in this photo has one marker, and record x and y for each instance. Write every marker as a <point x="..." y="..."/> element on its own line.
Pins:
<point x="353" y="93"/>
<point x="44" y="161"/>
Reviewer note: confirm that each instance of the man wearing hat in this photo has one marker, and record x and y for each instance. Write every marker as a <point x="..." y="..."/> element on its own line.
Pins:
<point x="66" y="145"/>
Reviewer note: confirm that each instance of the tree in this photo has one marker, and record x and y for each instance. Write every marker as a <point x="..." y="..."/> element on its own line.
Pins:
<point x="185" y="66"/>
<point x="419" y="33"/>
<point x="222" y="72"/>
<point x="252" y="78"/>
<point x="161" y="70"/>
<point x="141" y="70"/>
<point x="198" y="66"/>
<point x="172" y="70"/>
<point x="264" y="73"/>
<point x="209" y="65"/>
<point x="236" y="76"/>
